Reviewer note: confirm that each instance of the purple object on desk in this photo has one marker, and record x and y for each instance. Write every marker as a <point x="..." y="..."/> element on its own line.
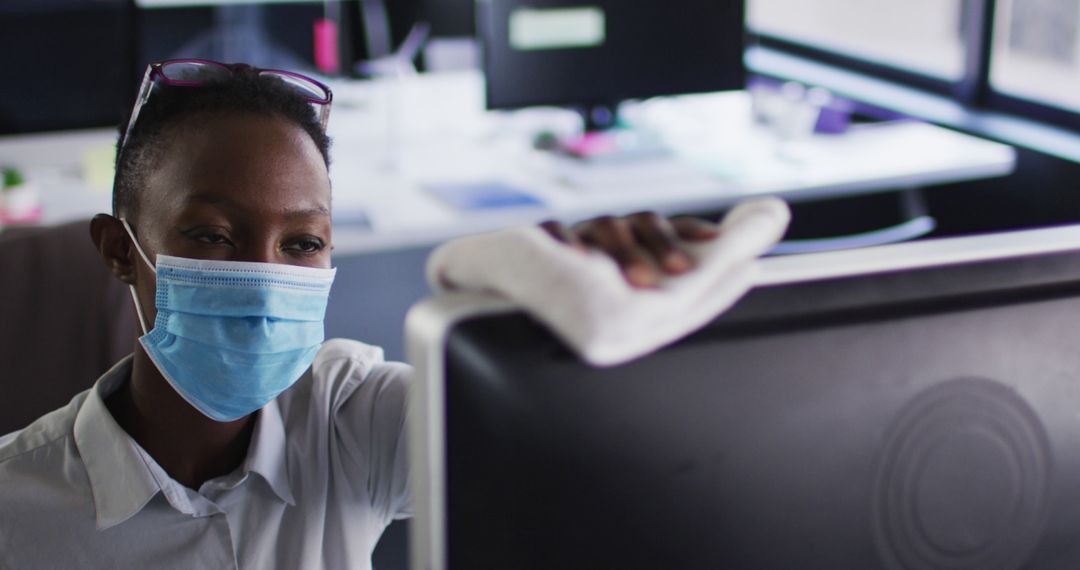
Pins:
<point x="835" y="117"/>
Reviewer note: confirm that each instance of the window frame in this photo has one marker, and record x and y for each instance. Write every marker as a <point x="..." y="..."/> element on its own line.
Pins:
<point x="973" y="89"/>
<point x="853" y="63"/>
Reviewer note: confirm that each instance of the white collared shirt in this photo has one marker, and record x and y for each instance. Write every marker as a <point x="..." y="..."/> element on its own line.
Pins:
<point x="325" y="473"/>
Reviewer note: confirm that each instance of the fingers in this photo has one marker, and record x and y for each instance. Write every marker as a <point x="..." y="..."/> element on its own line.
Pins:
<point x="615" y="237"/>
<point x="562" y="234"/>
<point x="694" y="229"/>
<point x="645" y="246"/>
<point x="657" y="237"/>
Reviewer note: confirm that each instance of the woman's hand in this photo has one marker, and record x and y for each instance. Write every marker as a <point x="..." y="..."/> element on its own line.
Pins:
<point x="644" y="245"/>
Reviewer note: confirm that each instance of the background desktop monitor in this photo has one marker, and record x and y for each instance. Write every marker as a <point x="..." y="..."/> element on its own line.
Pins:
<point x="78" y="64"/>
<point x="264" y="33"/>
<point x="279" y="33"/>
<point x="67" y="64"/>
<point x="917" y="409"/>
<point x="594" y="54"/>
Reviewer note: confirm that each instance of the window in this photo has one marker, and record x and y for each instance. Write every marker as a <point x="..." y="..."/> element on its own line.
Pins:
<point x="1019" y="57"/>
<point x="924" y="36"/>
<point x="1037" y="51"/>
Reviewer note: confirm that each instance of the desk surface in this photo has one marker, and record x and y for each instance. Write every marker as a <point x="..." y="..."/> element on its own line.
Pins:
<point x="392" y="139"/>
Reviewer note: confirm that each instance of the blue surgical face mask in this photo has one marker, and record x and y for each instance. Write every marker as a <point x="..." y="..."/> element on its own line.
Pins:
<point x="231" y="336"/>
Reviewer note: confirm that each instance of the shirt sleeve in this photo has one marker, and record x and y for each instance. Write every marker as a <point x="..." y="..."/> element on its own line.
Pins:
<point x="372" y="421"/>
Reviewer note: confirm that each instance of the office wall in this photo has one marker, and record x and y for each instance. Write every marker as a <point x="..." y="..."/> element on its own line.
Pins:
<point x="371" y="294"/>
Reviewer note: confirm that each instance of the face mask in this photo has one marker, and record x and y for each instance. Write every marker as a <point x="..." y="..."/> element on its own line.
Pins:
<point x="231" y="336"/>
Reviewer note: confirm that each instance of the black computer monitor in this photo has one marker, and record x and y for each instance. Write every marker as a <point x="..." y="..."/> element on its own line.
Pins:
<point x="593" y="54"/>
<point x="264" y="33"/>
<point x="67" y="64"/>
<point x="902" y="407"/>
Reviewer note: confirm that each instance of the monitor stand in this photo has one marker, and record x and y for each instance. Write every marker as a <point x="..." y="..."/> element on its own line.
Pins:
<point x="600" y="117"/>
<point x="239" y="35"/>
<point x="607" y="139"/>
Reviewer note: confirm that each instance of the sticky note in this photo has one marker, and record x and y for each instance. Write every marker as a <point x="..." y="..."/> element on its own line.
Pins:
<point x="99" y="167"/>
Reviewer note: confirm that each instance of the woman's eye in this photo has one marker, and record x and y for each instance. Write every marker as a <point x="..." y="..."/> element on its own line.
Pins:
<point x="207" y="236"/>
<point x="307" y="245"/>
<point x="212" y="238"/>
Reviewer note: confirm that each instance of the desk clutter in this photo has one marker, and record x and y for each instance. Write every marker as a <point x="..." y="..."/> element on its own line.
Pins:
<point x="19" y="201"/>
<point x="417" y="160"/>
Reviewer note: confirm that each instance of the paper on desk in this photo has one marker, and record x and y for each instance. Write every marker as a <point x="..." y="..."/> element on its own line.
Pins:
<point x="652" y="175"/>
<point x="484" y="195"/>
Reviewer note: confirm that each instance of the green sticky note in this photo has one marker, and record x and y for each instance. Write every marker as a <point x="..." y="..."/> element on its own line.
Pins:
<point x="99" y="167"/>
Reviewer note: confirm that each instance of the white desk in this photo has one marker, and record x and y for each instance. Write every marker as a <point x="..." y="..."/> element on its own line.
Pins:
<point x="391" y="139"/>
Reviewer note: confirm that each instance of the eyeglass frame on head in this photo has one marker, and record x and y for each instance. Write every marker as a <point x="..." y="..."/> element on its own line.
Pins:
<point x="154" y="74"/>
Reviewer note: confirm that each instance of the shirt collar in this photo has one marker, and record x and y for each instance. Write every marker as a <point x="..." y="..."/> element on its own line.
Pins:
<point x="121" y="478"/>
<point x="120" y="482"/>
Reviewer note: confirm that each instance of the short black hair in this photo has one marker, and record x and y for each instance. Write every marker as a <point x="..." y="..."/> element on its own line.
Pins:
<point x="243" y="91"/>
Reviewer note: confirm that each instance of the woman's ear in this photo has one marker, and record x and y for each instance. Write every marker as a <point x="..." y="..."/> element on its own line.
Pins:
<point x="114" y="245"/>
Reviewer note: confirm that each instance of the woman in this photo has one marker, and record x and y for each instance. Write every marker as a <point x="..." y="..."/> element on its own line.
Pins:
<point x="233" y="436"/>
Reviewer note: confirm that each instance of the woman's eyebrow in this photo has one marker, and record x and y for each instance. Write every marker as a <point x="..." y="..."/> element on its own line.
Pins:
<point x="227" y="203"/>
<point x="214" y="200"/>
<point x="316" y="212"/>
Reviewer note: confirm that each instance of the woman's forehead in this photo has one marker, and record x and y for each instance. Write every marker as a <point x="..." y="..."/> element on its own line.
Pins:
<point x="268" y="164"/>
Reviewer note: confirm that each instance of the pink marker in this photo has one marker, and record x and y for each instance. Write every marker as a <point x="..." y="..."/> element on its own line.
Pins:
<point x="326" y="46"/>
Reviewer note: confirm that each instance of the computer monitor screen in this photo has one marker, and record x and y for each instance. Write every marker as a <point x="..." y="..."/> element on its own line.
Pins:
<point x="67" y="64"/>
<point x="905" y="419"/>
<point x="264" y="33"/>
<point x="601" y="52"/>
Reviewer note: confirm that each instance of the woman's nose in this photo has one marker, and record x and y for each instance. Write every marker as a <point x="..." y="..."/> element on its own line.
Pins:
<point x="263" y="250"/>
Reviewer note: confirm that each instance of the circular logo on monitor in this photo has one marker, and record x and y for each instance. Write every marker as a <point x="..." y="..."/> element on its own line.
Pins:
<point x="962" y="479"/>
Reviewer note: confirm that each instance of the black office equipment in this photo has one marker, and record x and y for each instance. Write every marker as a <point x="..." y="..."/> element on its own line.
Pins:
<point x="903" y="407"/>
<point x="263" y="33"/>
<point x="67" y="64"/>
<point x="594" y="54"/>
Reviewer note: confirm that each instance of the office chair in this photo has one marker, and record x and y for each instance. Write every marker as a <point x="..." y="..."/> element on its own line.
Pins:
<point x="64" y="319"/>
<point x="912" y="406"/>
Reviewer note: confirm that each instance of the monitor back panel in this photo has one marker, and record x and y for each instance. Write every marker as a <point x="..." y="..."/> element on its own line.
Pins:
<point x="925" y="419"/>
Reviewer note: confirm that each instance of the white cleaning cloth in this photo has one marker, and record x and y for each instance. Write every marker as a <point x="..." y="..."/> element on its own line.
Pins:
<point x="583" y="296"/>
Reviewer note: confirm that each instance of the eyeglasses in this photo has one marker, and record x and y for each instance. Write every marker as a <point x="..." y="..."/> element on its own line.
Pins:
<point x="200" y="72"/>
